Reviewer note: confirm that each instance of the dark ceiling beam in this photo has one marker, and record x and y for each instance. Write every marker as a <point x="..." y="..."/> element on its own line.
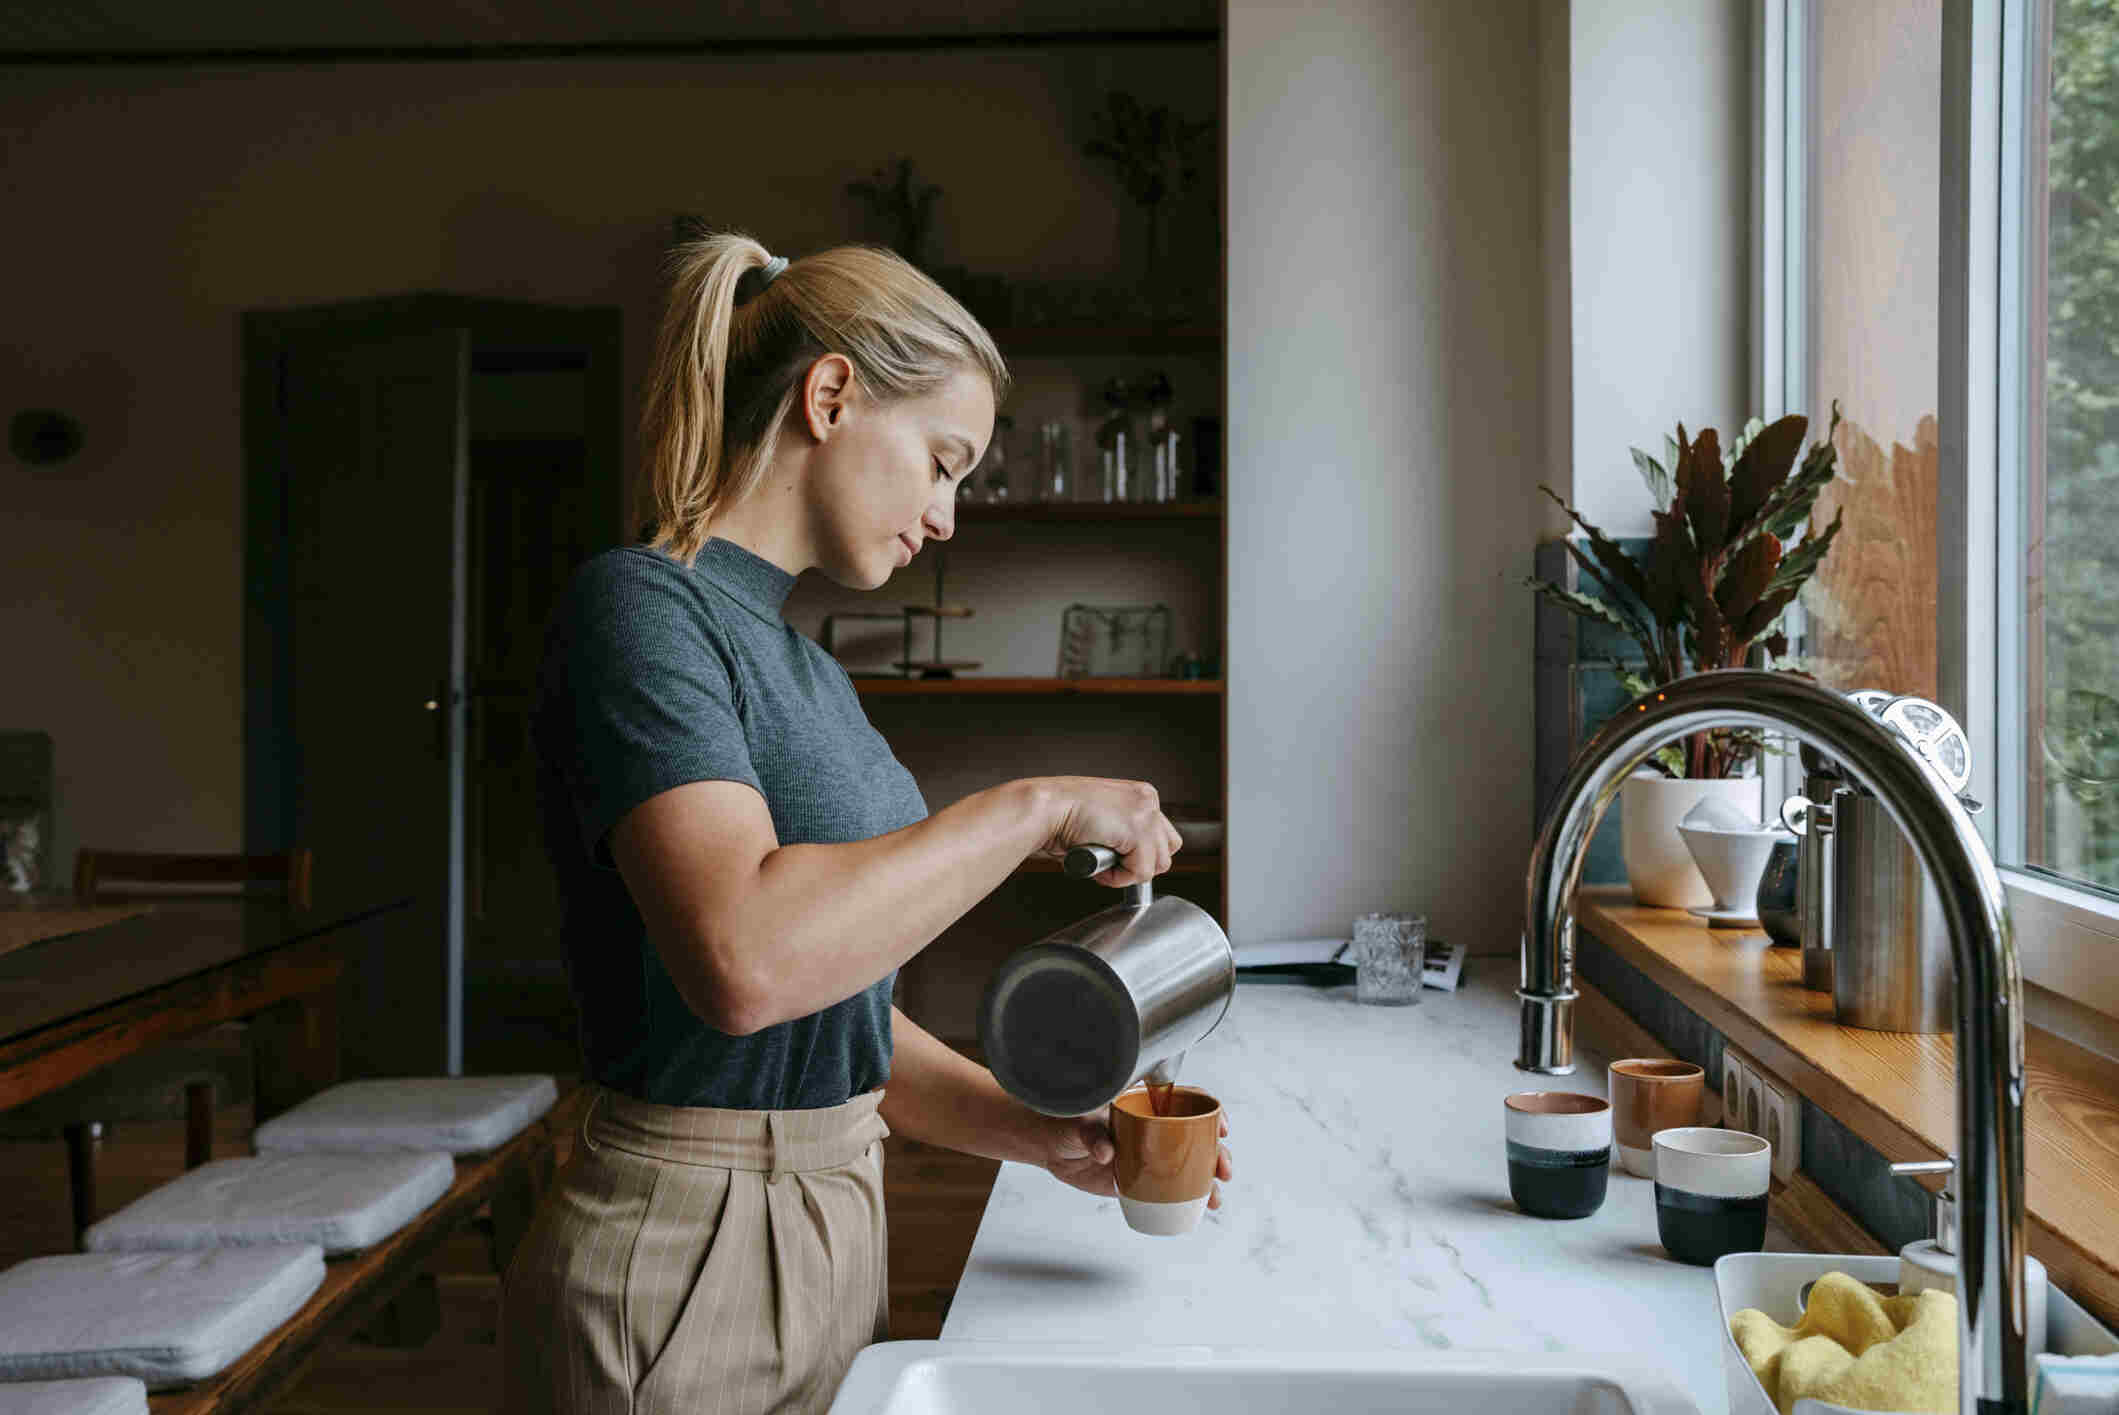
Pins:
<point x="615" y="49"/>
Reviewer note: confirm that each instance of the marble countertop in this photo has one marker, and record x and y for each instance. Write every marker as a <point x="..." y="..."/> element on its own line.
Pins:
<point x="1370" y="1209"/>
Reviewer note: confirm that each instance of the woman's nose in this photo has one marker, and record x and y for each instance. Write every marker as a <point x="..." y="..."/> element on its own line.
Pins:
<point x="940" y="520"/>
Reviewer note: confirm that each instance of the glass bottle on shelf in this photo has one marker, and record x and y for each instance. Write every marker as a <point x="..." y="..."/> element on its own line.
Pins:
<point x="1055" y="461"/>
<point x="992" y="473"/>
<point x="1160" y="455"/>
<point x="1117" y="445"/>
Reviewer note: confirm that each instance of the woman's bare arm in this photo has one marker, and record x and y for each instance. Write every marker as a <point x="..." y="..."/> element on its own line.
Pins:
<point x="939" y="1096"/>
<point x="755" y="933"/>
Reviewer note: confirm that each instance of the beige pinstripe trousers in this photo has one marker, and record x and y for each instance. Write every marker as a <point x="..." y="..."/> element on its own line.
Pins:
<point x="713" y="1262"/>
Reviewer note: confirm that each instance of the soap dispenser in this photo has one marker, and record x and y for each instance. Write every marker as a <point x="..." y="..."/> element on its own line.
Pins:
<point x="1932" y="1262"/>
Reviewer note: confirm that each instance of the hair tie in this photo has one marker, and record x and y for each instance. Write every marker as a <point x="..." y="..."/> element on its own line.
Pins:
<point x="772" y="269"/>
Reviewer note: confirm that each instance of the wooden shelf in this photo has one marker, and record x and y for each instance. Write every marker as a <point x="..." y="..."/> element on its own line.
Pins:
<point x="1108" y="339"/>
<point x="1088" y="510"/>
<point x="1037" y="687"/>
<point x="1897" y="1090"/>
<point x="1183" y="864"/>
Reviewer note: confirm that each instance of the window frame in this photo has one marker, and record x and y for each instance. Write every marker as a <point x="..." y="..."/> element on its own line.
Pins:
<point x="1995" y="75"/>
<point x="1992" y="253"/>
<point x="1780" y="368"/>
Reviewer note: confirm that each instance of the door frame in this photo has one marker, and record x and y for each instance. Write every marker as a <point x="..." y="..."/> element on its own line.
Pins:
<point x="488" y="325"/>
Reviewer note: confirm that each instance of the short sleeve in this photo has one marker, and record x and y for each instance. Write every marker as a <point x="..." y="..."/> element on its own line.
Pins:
<point x="647" y="693"/>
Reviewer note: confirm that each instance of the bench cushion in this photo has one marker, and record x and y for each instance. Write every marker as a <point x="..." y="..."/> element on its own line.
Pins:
<point x="167" y="1318"/>
<point x="97" y="1395"/>
<point x="457" y="1115"/>
<point x="342" y="1203"/>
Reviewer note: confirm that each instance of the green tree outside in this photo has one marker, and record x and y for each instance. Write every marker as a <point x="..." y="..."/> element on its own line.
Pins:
<point x="2081" y="592"/>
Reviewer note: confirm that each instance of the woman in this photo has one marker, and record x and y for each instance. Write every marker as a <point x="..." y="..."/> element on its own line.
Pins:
<point x="745" y="866"/>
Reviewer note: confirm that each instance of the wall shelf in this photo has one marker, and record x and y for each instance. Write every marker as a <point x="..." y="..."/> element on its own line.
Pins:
<point x="1037" y="687"/>
<point x="1088" y="510"/>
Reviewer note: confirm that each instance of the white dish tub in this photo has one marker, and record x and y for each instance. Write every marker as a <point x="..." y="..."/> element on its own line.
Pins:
<point x="1773" y="1283"/>
<point x="1067" y="1378"/>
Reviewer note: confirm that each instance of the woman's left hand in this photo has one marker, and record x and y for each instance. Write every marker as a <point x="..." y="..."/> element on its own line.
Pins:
<point x="1079" y="1152"/>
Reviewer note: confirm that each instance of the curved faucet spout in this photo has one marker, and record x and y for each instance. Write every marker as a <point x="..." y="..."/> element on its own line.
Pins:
<point x="1991" y="1308"/>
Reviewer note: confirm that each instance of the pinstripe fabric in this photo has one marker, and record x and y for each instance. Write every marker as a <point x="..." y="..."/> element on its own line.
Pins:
<point x="713" y="1262"/>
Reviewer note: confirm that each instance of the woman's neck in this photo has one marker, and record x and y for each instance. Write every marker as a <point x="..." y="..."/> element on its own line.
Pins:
<point x="769" y="524"/>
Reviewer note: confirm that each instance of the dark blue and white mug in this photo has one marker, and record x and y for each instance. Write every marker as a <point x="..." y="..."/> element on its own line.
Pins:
<point x="1710" y="1192"/>
<point x="1559" y="1152"/>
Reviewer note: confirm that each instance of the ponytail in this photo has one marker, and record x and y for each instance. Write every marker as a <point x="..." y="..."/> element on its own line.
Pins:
<point x="733" y="350"/>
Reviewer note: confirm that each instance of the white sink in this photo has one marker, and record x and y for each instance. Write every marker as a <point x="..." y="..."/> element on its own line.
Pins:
<point x="1022" y="1378"/>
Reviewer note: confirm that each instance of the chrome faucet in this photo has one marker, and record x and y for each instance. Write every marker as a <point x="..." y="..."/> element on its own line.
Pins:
<point x="1992" y="1377"/>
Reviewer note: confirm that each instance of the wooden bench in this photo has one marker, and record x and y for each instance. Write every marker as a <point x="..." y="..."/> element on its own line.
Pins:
<point x="359" y="1289"/>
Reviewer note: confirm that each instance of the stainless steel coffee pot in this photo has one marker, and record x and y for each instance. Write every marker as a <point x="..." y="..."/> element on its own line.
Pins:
<point x="1873" y="933"/>
<point x="1073" y="1020"/>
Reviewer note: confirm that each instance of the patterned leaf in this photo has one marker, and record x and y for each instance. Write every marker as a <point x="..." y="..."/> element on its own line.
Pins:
<point x="1616" y="602"/>
<point x="1799" y="564"/>
<point x="1705" y="494"/>
<point x="1619" y="567"/>
<point x="1656" y="476"/>
<point x="1587" y="606"/>
<point x="1746" y="577"/>
<point x="1668" y="556"/>
<point x="1763" y="465"/>
<point x="1764" y="614"/>
<point x="1789" y="505"/>
<point x="1710" y="631"/>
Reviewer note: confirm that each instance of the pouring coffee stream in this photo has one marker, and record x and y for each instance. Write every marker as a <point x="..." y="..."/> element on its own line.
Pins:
<point x="1073" y="1021"/>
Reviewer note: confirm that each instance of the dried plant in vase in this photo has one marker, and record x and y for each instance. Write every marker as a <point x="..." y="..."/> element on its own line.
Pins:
<point x="1159" y="156"/>
<point x="896" y="203"/>
<point x="1733" y="546"/>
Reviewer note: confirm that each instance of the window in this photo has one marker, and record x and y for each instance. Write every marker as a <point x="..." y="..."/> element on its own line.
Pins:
<point x="1976" y="358"/>
<point x="2062" y="484"/>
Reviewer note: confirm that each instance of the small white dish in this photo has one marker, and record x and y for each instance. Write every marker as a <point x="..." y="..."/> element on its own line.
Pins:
<point x="1727" y="918"/>
<point x="1732" y="862"/>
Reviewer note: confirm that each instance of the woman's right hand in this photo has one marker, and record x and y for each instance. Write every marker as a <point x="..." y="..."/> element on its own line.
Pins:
<point x="1125" y="815"/>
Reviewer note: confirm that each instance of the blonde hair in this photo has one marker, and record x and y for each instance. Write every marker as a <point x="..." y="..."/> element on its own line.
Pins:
<point x="727" y="373"/>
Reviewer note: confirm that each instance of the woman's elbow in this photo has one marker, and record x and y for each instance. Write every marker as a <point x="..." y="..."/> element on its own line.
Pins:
<point x="731" y="998"/>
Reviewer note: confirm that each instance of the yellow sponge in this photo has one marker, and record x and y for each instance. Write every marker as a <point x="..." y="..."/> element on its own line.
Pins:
<point x="1856" y="1349"/>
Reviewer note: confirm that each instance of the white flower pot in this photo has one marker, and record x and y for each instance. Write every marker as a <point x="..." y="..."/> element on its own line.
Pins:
<point x="1658" y="865"/>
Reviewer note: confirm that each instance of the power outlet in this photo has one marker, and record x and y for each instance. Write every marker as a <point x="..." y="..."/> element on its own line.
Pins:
<point x="1733" y="1082"/>
<point x="1765" y="1106"/>
<point x="1783" y="1122"/>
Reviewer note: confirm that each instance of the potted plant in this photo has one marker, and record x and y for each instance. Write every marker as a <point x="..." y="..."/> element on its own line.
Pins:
<point x="1732" y="548"/>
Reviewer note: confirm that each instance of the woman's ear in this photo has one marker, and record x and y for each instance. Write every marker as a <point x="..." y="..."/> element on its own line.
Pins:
<point x="827" y="390"/>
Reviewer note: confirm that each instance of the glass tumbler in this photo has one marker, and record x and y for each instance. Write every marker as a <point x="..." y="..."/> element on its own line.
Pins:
<point x="1390" y="958"/>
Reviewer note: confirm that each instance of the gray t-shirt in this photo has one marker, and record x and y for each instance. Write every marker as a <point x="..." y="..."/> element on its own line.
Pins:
<point x="656" y="675"/>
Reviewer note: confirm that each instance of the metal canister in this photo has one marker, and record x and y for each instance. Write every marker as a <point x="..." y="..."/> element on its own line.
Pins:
<point x="1070" y="1022"/>
<point x="1892" y="968"/>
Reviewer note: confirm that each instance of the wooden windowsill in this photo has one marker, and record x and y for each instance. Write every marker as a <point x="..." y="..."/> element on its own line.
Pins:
<point x="1896" y="1090"/>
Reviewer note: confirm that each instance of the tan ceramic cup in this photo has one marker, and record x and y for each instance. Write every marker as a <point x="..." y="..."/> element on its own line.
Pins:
<point x="1650" y="1094"/>
<point x="1165" y="1163"/>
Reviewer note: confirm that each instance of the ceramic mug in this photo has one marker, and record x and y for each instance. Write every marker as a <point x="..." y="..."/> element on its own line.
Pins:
<point x="1650" y="1094"/>
<point x="1559" y="1152"/>
<point x="1164" y="1164"/>
<point x="1710" y="1192"/>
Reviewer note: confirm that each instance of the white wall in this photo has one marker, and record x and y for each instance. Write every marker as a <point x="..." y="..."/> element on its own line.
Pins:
<point x="1386" y="407"/>
<point x="1659" y="191"/>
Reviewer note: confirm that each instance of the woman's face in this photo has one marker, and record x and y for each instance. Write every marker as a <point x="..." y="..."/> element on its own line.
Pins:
<point x="884" y="477"/>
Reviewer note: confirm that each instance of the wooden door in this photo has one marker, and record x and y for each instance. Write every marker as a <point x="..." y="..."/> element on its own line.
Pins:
<point x="533" y="520"/>
<point x="372" y="471"/>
